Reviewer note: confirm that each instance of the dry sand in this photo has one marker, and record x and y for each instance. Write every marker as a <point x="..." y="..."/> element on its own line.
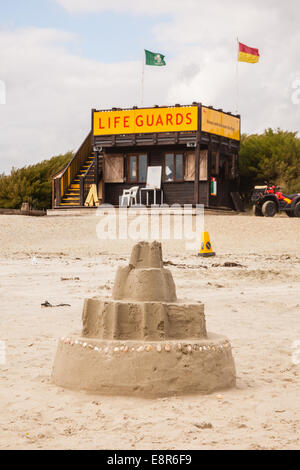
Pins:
<point x="256" y="305"/>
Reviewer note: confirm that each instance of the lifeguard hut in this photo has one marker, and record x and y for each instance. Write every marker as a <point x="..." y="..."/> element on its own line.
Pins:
<point x="195" y="146"/>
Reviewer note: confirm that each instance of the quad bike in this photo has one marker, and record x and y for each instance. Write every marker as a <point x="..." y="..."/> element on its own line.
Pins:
<point x="269" y="200"/>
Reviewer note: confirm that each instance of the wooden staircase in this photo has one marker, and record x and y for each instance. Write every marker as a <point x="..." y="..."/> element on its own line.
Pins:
<point x="72" y="195"/>
<point x="71" y="185"/>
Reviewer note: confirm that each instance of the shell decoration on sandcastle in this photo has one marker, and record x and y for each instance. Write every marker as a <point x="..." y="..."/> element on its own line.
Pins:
<point x="144" y="341"/>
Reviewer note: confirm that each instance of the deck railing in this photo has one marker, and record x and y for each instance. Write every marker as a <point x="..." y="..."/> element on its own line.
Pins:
<point x="63" y="180"/>
<point x="86" y="181"/>
<point x="91" y="176"/>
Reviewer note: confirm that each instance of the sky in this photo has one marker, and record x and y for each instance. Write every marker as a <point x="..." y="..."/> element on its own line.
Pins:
<point x="61" y="58"/>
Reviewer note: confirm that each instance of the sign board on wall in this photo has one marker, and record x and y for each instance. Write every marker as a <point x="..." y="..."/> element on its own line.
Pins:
<point x="134" y="121"/>
<point x="216" y="122"/>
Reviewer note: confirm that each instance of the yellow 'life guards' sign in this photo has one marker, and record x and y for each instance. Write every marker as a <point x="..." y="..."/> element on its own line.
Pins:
<point x="134" y="121"/>
<point x="216" y="122"/>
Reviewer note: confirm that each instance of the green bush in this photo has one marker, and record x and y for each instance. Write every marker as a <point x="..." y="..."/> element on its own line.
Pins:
<point x="273" y="156"/>
<point x="31" y="184"/>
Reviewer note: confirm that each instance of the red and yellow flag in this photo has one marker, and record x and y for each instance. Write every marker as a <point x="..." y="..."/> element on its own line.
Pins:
<point x="248" y="54"/>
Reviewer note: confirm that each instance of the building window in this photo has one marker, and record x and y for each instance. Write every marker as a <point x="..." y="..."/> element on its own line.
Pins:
<point x="173" y="167"/>
<point x="137" y="168"/>
<point x="132" y="168"/>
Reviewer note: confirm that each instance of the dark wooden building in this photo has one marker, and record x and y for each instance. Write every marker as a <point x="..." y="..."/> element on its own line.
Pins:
<point x="196" y="147"/>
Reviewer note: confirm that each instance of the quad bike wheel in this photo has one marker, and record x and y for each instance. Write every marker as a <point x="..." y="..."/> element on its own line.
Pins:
<point x="290" y="213"/>
<point x="257" y="211"/>
<point x="297" y="210"/>
<point x="269" y="209"/>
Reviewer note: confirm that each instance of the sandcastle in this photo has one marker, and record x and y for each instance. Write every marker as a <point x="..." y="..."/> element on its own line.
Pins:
<point x="144" y="341"/>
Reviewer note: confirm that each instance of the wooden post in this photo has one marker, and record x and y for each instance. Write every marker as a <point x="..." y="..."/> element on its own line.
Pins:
<point x="81" y="190"/>
<point x="197" y="157"/>
<point x="196" y="182"/>
<point x="92" y="129"/>
<point x="53" y="192"/>
<point x="58" y="183"/>
<point x="96" y="169"/>
<point x="103" y="178"/>
<point x="209" y="170"/>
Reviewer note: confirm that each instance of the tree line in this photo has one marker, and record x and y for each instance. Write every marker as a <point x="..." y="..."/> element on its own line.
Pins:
<point x="273" y="156"/>
<point x="32" y="184"/>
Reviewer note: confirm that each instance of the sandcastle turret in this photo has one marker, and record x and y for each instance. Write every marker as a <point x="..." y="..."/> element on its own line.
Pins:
<point x="144" y="340"/>
<point x="145" y="279"/>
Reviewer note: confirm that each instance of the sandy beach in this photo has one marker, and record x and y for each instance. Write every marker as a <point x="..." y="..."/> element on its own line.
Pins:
<point x="255" y="303"/>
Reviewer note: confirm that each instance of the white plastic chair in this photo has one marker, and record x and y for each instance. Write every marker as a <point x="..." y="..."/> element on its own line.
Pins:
<point x="130" y="196"/>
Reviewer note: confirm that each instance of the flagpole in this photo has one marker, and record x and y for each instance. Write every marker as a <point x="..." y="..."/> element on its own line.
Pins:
<point x="237" y="78"/>
<point x="143" y="76"/>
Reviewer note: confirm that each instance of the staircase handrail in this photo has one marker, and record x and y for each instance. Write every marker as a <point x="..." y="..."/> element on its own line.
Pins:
<point x="77" y="153"/>
<point x="88" y="169"/>
<point x="63" y="180"/>
<point x="83" y="192"/>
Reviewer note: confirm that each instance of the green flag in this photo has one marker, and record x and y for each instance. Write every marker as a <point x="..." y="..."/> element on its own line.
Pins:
<point x="154" y="58"/>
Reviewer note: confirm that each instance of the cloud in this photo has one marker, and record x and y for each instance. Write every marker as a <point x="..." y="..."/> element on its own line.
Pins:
<point x="132" y="6"/>
<point x="199" y="39"/>
<point x="51" y="90"/>
<point x="2" y="92"/>
<point x="50" y="93"/>
<point x="206" y="34"/>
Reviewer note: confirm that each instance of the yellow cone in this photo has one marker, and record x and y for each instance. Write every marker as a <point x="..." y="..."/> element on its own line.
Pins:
<point x="206" y="248"/>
